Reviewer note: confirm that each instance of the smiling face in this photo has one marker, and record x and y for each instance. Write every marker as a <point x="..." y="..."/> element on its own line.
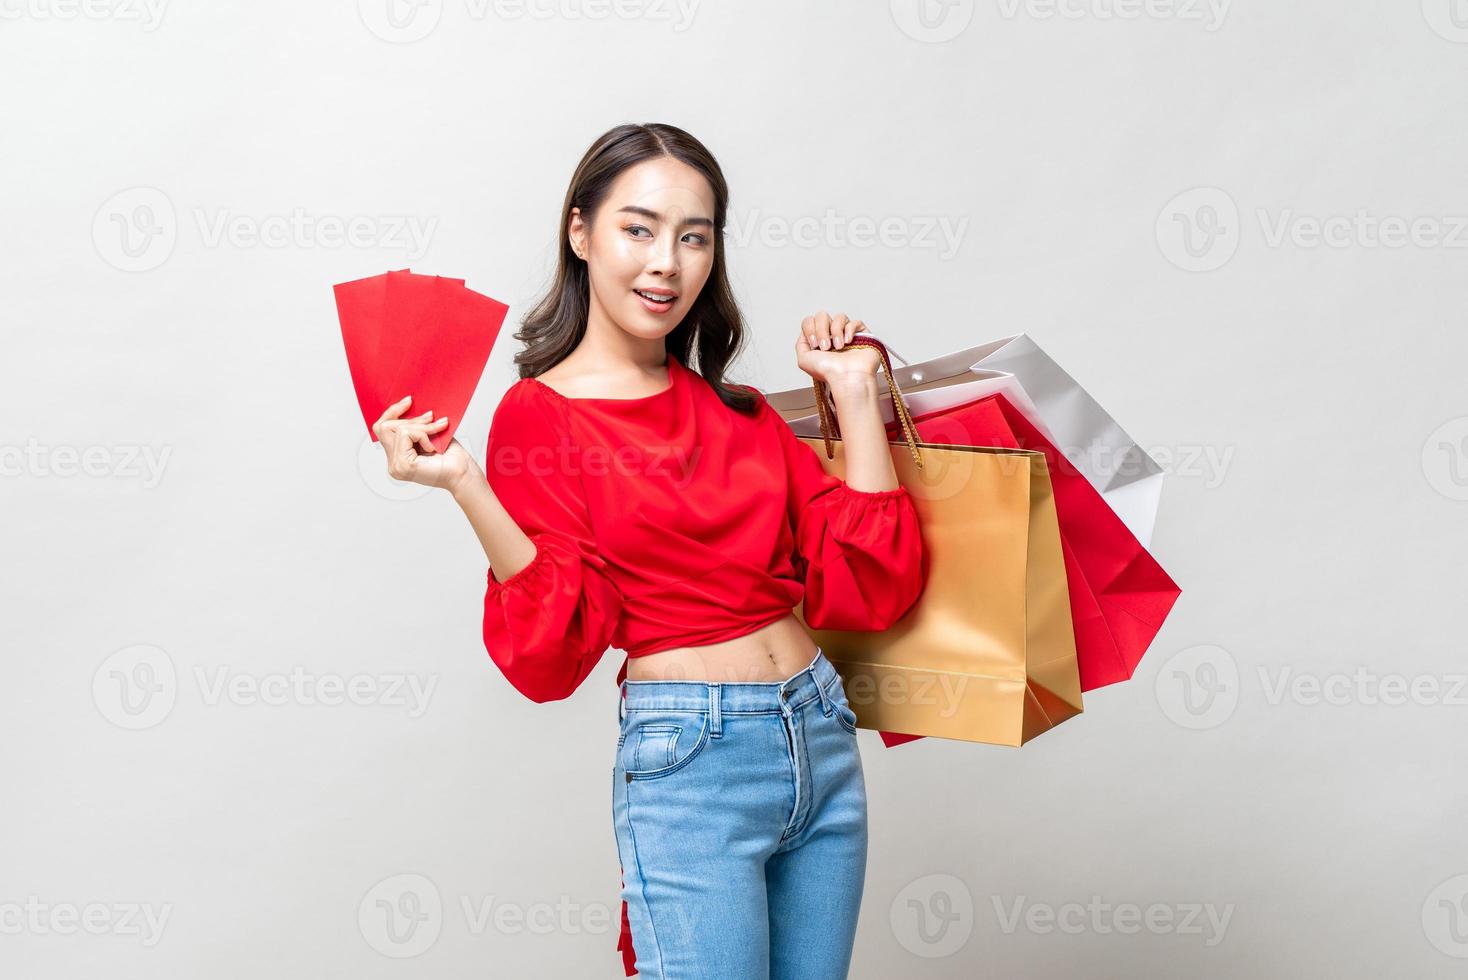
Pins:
<point x="651" y="247"/>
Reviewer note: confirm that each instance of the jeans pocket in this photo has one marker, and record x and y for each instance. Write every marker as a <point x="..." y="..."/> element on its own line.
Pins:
<point x="659" y="743"/>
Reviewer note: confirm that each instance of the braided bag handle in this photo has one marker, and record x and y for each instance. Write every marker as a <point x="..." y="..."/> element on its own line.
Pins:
<point x="829" y="426"/>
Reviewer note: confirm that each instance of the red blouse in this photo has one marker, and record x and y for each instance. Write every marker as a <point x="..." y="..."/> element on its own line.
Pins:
<point x="673" y="520"/>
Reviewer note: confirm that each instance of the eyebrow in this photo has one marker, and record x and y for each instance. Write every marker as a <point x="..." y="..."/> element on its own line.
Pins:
<point x="634" y="209"/>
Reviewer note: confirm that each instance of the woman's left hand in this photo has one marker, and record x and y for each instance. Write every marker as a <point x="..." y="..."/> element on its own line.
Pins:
<point x="820" y="352"/>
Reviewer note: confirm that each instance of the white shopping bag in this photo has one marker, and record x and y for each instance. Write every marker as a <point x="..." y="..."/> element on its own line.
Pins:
<point x="1127" y="478"/>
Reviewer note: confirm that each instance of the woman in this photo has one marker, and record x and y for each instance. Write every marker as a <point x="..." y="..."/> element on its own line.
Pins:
<point x="631" y="500"/>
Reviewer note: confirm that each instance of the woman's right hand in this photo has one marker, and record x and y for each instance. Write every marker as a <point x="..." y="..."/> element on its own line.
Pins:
<point x="410" y="452"/>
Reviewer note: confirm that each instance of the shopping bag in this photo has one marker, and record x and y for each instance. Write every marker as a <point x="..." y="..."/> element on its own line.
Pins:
<point x="987" y="653"/>
<point x="1119" y="594"/>
<point x="1127" y="478"/>
<point x="410" y="334"/>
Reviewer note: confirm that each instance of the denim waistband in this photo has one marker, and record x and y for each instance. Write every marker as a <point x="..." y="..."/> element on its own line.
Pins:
<point x="745" y="697"/>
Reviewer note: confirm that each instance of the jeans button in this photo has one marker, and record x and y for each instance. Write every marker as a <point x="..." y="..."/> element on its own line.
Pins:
<point x="629" y="777"/>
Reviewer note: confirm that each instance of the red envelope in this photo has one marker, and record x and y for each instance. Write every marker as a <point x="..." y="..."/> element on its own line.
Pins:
<point x="425" y="336"/>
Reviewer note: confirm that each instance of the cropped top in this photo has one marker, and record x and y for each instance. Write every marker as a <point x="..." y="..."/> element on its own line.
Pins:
<point x="674" y="520"/>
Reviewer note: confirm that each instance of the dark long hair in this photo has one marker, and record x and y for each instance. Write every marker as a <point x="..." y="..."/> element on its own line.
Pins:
<point x="713" y="328"/>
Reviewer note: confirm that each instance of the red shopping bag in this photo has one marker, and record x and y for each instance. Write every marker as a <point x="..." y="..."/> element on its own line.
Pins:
<point x="410" y="334"/>
<point x="624" y="940"/>
<point x="1119" y="594"/>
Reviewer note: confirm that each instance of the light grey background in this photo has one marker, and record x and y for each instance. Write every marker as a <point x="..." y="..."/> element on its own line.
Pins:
<point x="1264" y="767"/>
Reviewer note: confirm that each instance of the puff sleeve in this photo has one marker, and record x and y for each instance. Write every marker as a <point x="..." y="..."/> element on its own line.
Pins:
<point x="546" y="626"/>
<point x="859" y="552"/>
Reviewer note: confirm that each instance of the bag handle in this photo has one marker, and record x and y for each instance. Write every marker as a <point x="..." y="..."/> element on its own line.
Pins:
<point x="829" y="426"/>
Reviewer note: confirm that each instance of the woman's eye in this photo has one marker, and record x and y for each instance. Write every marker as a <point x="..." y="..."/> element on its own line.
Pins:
<point x="631" y="228"/>
<point x="699" y="239"/>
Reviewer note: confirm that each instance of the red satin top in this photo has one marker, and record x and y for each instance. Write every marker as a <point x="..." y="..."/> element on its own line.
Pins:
<point x="673" y="520"/>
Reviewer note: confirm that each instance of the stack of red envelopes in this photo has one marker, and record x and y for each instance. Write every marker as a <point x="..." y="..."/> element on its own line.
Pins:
<point x="410" y="334"/>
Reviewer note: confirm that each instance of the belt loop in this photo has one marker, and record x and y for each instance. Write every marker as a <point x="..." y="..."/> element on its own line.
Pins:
<point x="821" y="688"/>
<point x="716" y="719"/>
<point x="621" y="703"/>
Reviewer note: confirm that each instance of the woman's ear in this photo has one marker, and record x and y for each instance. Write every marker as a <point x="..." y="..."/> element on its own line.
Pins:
<point x="576" y="233"/>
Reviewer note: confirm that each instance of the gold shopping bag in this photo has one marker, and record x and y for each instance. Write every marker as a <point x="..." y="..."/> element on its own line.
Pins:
<point x="987" y="654"/>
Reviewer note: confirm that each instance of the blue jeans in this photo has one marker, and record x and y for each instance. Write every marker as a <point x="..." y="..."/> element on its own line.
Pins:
<point x="741" y="820"/>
